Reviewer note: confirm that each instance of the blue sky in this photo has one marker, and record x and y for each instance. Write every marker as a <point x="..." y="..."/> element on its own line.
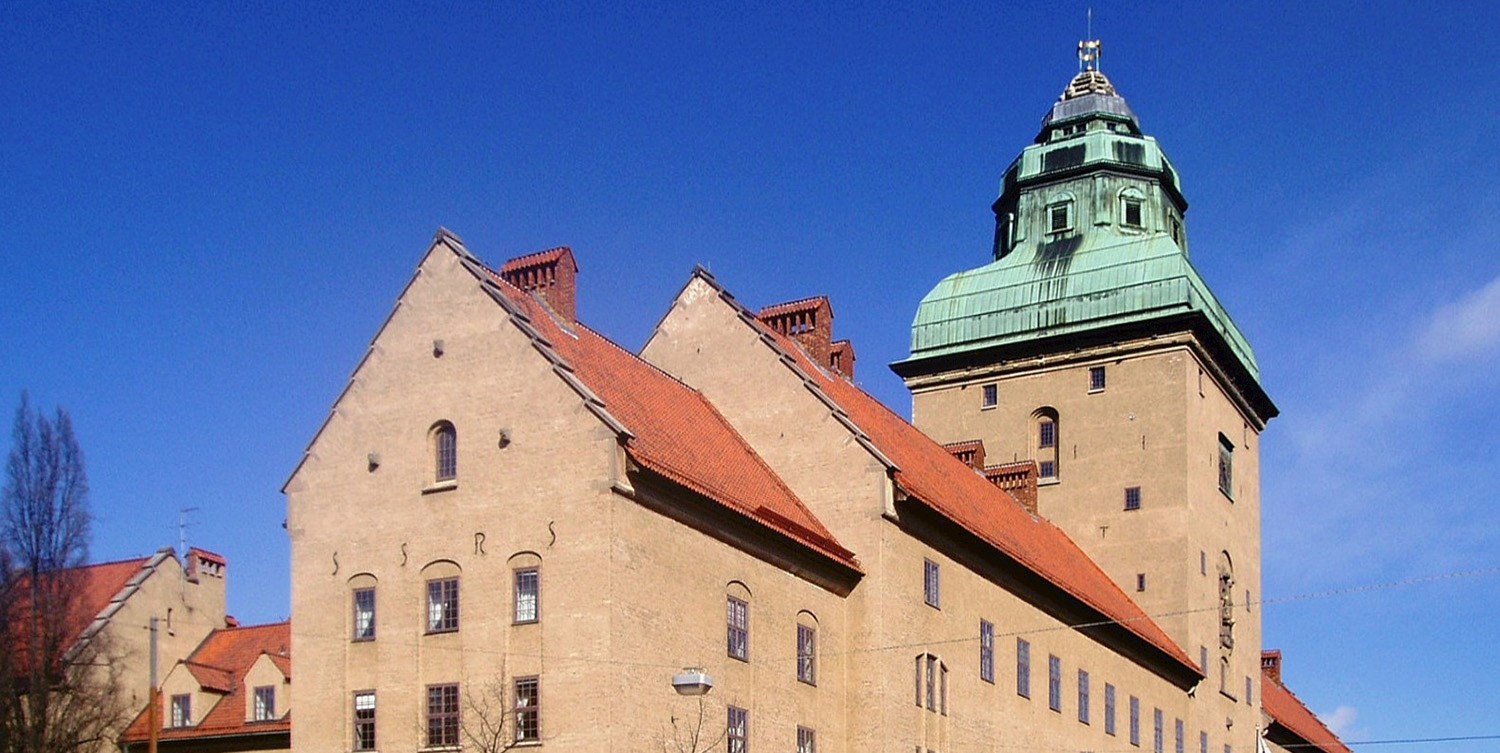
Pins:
<point x="208" y="209"/>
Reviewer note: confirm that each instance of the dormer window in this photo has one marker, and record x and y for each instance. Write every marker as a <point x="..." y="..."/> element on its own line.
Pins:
<point x="265" y="703"/>
<point x="1060" y="217"/>
<point x="1130" y="211"/>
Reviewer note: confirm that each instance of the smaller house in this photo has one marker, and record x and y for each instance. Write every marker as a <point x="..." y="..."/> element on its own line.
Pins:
<point x="233" y="693"/>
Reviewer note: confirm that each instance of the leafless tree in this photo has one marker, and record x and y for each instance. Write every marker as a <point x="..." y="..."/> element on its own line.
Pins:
<point x="57" y="689"/>
<point x="687" y="732"/>
<point x="488" y="721"/>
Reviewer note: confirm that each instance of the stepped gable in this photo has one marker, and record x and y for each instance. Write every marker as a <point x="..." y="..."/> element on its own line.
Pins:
<point x="932" y="475"/>
<point x="220" y="664"/>
<point x="1289" y="712"/>
<point x="668" y="427"/>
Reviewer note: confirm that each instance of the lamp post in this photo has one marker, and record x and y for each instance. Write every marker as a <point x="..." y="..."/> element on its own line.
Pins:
<point x="692" y="681"/>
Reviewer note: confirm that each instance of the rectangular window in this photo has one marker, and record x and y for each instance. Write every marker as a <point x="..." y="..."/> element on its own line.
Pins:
<point x="528" y="592"/>
<point x="1132" y="498"/>
<point x="991" y="396"/>
<point x="739" y="730"/>
<point x="442" y="715"/>
<point x="265" y="703"/>
<point x="1135" y="721"/>
<point x="1133" y="212"/>
<point x="931" y="583"/>
<point x="807" y="740"/>
<point x="1054" y="683"/>
<point x="1047" y="434"/>
<point x="442" y="605"/>
<point x="1109" y="709"/>
<point x="739" y="629"/>
<point x="1202" y="742"/>
<point x="986" y="651"/>
<point x="807" y="654"/>
<point x="364" y="720"/>
<point x="1058" y="218"/>
<point x="1140" y="581"/>
<point x="182" y="710"/>
<point x="528" y="710"/>
<point x="1023" y="668"/>
<point x="364" y="614"/>
<point x="1226" y="466"/>
<point x="1047" y="469"/>
<point x="1096" y="379"/>
<point x="1248" y="688"/>
<point x="1157" y="731"/>
<point x="1083" y="696"/>
<point x="1178" y="736"/>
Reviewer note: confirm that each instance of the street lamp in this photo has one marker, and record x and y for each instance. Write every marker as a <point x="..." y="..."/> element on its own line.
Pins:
<point x="692" y="681"/>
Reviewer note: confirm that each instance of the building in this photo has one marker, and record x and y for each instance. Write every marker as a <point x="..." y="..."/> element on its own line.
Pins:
<point x="110" y="606"/>
<point x="524" y="522"/>
<point x="233" y="693"/>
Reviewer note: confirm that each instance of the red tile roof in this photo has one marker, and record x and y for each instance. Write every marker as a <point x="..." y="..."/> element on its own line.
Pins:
<point x="673" y="430"/>
<point x="213" y="557"/>
<point x="804" y="304"/>
<point x="541" y="257"/>
<point x="1288" y="711"/>
<point x="94" y="588"/>
<point x="223" y="659"/>
<point x="928" y="472"/>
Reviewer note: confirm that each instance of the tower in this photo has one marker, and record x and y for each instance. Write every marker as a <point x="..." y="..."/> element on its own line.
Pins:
<point x="1091" y="345"/>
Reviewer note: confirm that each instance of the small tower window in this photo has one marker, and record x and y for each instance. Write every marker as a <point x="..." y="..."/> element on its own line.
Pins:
<point x="445" y="449"/>
<point x="1060" y="217"/>
<point x="1044" y="424"/>
<point x="990" y="396"/>
<point x="1132" y="498"/>
<point x="1096" y="379"/>
<point x="1131" y="211"/>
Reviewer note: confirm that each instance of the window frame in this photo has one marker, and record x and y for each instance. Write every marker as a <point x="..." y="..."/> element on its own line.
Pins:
<point x="364" y="723"/>
<point x="264" y="702"/>
<point x="1109" y="709"/>
<point x="368" y="634"/>
<point x="807" y="739"/>
<point x="987" y="651"/>
<point x="1098" y="379"/>
<point x="1132" y="498"/>
<point x="441" y="714"/>
<point x="527" y="709"/>
<point x="1083" y="697"/>
<point x="807" y="654"/>
<point x="445" y="452"/>
<point x="1159" y="731"/>
<point x="1054" y="683"/>
<point x="1127" y="202"/>
<point x="932" y="583"/>
<point x="1179" y="734"/>
<point x="518" y="577"/>
<point x="989" y="396"/>
<point x="737" y="730"/>
<point x="1066" y="207"/>
<point x="1023" y="668"/>
<point x="737" y="625"/>
<point x="180" y="710"/>
<point x="1226" y="467"/>
<point x="1135" y="721"/>
<point x="442" y="605"/>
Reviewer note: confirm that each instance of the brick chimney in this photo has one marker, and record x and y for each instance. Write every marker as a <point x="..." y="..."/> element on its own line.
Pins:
<point x="1270" y="664"/>
<point x="810" y="322"/>
<point x="1018" y="478"/>
<point x="970" y="451"/>
<point x="203" y="563"/>
<point x="552" y="275"/>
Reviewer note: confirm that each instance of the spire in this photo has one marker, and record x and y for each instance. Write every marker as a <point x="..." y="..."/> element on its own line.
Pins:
<point x="1089" y="92"/>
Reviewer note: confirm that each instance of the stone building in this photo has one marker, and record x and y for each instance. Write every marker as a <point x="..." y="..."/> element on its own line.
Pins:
<point x="508" y="519"/>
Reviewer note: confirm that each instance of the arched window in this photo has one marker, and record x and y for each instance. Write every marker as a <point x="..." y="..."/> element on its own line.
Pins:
<point x="807" y="648"/>
<point x="1045" y="432"/>
<point x="362" y="592"/>
<point x="445" y="451"/>
<point x="737" y="620"/>
<point x="1132" y="208"/>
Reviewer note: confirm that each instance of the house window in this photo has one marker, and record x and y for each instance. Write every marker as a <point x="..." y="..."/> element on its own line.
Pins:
<point x="1096" y="379"/>
<point x="1047" y="433"/>
<point x="528" y="710"/>
<point x="1156" y="740"/>
<point x="442" y="605"/>
<point x="364" y="614"/>
<point x="1178" y="735"/>
<point x="182" y="710"/>
<point x="1023" y="668"/>
<point x="265" y="703"/>
<point x="739" y="730"/>
<point x="1226" y="466"/>
<point x="1060" y="217"/>
<point x="1140" y="581"/>
<point x="1054" y="683"/>
<point x="528" y="589"/>
<point x="807" y="740"/>
<point x="1177" y="238"/>
<point x="931" y="583"/>
<point x="739" y="629"/>
<point x="986" y="651"/>
<point x="364" y="720"/>
<point x="445" y="450"/>
<point x="1132" y="498"/>
<point x="932" y="663"/>
<point x="442" y="715"/>
<point x="1202" y="742"/>
<point x="1203" y="658"/>
<point x="1083" y="696"/>
<point x="1135" y="721"/>
<point x="1109" y="709"/>
<point x="1130" y="210"/>
<point x="989" y="396"/>
<point x="1047" y="441"/>
<point x="807" y="654"/>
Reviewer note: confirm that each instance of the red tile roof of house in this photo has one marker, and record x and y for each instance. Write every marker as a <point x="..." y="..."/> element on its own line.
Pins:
<point x="92" y="587"/>
<point x="936" y="478"/>
<point x="1288" y="711"/>
<point x="541" y="257"/>
<point x="224" y="658"/>
<point x="672" y="429"/>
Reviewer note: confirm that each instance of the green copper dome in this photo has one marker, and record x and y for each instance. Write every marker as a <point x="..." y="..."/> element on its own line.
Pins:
<point x="1089" y="235"/>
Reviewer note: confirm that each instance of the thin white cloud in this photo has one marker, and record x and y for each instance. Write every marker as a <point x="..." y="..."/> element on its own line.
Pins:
<point x="1341" y="720"/>
<point x="1465" y="328"/>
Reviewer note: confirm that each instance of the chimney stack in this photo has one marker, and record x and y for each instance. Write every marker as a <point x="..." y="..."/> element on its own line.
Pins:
<point x="552" y="275"/>
<point x="1018" y="478"/>
<point x="970" y="451"/>
<point x="1270" y="664"/>
<point x="810" y="322"/>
